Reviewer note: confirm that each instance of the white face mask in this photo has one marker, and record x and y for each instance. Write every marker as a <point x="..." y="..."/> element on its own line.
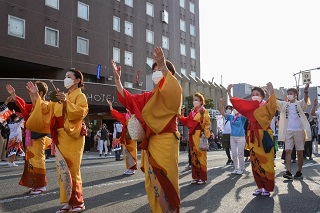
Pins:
<point x="228" y="111"/>
<point x="68" y="82"/>
<point x="156" y="76"/>
<point x="196" y="103"/>
<point x="290" y="97"/>
<point x="256" y="98"/>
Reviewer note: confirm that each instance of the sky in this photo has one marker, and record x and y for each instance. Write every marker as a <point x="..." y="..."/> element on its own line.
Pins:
<point x="256" y="42"/>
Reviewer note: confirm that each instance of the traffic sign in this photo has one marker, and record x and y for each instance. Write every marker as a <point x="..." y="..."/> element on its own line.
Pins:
<point x="306" y="77"/>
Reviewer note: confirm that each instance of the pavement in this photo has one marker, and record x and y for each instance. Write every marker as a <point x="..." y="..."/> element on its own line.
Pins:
<point x="93" y="154"/>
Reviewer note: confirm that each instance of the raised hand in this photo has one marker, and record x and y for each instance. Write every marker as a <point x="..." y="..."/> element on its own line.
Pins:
<point x="306" y="87"/>
<point x="60" y="95"/>
<point x="160" y="59"/>
<point x="8" y="100"/>
<point x="116" y="70"/>
<point x="315" y="102"/>
<point x="229" y="87"/>
<point x="31" y="88"/>
<point x="10" y="89"/>
<point x="270" y="88"/>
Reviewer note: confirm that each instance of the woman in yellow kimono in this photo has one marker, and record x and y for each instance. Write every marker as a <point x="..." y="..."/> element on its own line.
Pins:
<point x="198" y="122"/>
<point x="259" y="114"/>
<point x="157" y="112"/>
<point x="34" y="173"/>
<point x="65" y="119"/>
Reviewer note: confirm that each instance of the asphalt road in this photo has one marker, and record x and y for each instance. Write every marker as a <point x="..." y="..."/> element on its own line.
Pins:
<point x="106" y="189"/>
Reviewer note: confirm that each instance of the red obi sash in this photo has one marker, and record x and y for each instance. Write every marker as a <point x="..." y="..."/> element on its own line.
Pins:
<point x="55" y="124"/>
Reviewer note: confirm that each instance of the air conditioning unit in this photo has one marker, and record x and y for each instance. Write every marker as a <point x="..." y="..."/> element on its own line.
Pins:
<point x="128" y="84"/>
<point x="165" y="16"/>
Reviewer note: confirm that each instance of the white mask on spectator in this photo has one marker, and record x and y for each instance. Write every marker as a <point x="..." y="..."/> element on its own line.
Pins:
<point x="156" y="76"/>
<point x="290" y="97"/>
<point x="256" y="98"/>
<point x="196" y="103"/>
<point x="228" y="111"/>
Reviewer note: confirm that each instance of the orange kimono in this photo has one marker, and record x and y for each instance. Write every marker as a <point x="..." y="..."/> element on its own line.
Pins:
<point x="198" y="157"/>
<point x="157" y="111"/>
<point x="130" y="146"/>
<point x="34" y="173"/>
<point x="259" y="118"/>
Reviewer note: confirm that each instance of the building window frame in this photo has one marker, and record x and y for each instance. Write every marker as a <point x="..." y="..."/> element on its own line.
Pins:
<point x="192" y="53"/>
<point x="192" y="30"/>
<point x="16" y="26"/>
<point x="192" y="7"/>
<point x="149" y="36"/>
<point x="183" y="25"/>
<point x="83" y="11"/>
<point x="129" y="3"/>
<point x="149" y="9"/>
<point x="182" y="3"/>
<point x="183" y="49"/>
<point x="82" y="45"/>
<point x="128" y="28"/>
<point x="53" y="4"/>
<point x="116" y="23"/>
<point x="150" y="62"/>
<point x="183" y="71"/>
<point x="116" y="54"/>
<point x="128" y="58"/>
<point x="165" y="42"/>
<point x="51" y="37"/>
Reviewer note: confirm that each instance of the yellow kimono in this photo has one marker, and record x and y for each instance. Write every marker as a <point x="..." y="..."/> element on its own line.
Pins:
<point x="196" y="124"/>
<point x="70" y="142"/>
<point x="161" y="146"/>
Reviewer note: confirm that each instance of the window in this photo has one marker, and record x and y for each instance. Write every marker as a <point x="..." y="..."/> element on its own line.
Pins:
<point x="82" y="46"/>
<point x="150" y="62"/>
<point x="165" y="16"/>
<point x="192" y="30"/>
<point x="165" y="42"/>
<point x="183" y="71"/>
<point x="149" y="9"/>
<point x="182" y="49"/>
<point x="192" y="7"/>
<point x="116" y="23"/>
<point x="128" y="58"/>
<point x="149" y="35"/>
<point x="193" y="74"/>
<point x="182" y="25"/>
<point x="116" y="54"/>
<point x="192" y="53"/>
<point x="128" y="28"/>
<point x="83" y="11"/>
<point x="16" y="26"/>
<point x="129" y="3"/>
<point x="53" y="3"/>
<point x="182" y="2"/>
<point x="51" y="37"/>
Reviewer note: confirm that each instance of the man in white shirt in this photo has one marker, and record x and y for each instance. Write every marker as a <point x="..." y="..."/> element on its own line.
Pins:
<point x="226" y="131"/>
<point x="294" y="128"/>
